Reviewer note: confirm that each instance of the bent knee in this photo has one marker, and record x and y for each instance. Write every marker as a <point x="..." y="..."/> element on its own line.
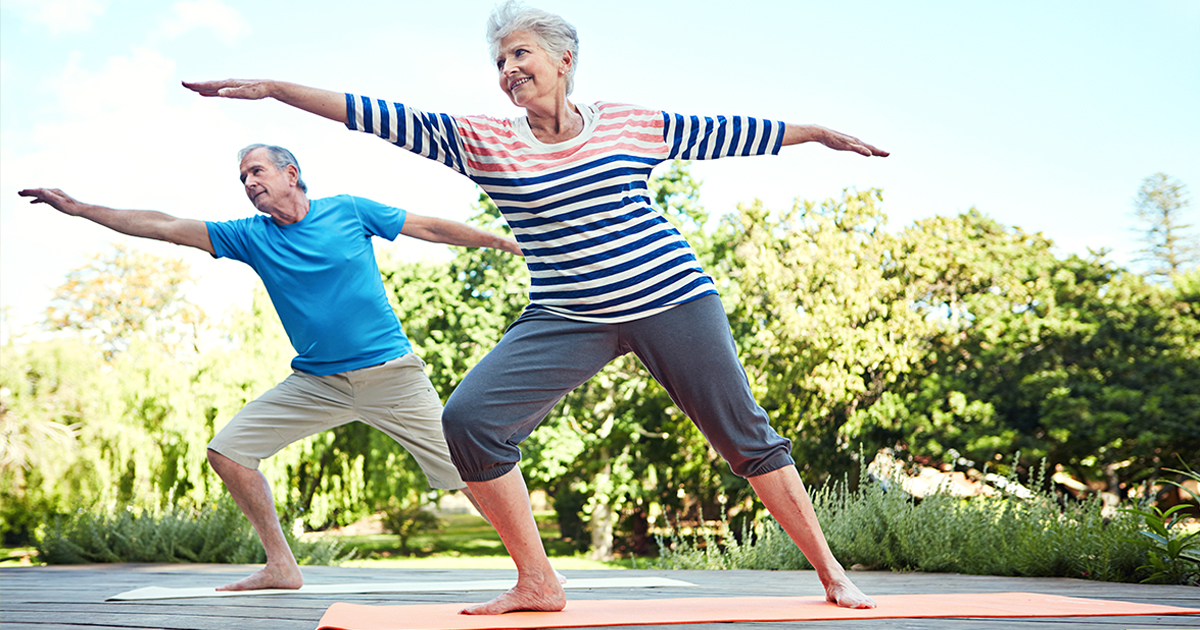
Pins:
<point x="456" y="422"/>
<point x="223" y="464"/>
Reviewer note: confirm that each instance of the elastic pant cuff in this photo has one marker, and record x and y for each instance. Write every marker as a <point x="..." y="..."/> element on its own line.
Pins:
<point x="771" y="465"/>
<point x="495" y="472"/>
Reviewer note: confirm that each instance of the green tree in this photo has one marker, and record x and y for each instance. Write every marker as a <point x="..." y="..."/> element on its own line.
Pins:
<point x="103" y="412"/>
<point x="1161" y="208"/>
<point x="1072" y="360"/>
<point x="825" y="326"/>
<point x="126" y="294"/>
<point x="44" y="394"/>
<point x="455" y="313"/>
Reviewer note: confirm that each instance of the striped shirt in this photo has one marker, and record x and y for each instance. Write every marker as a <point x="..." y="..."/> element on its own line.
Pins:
<point x="581" y="210"/>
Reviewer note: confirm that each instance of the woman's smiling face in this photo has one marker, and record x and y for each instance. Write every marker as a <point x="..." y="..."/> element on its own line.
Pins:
<point x="527" y="71"/>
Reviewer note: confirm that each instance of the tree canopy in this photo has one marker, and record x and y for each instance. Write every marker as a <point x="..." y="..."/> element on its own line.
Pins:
<point x="955" y="341"/>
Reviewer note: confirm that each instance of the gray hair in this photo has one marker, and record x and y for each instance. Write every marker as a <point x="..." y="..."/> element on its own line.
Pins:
<point x="553" y="33"/>
<point x="280" y="157"/>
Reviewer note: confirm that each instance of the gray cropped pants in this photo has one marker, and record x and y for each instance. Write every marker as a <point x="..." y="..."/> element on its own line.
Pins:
<point x="543" y="356"/>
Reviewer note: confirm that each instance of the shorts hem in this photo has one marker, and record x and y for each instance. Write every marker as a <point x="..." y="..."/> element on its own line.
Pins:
<point x="242" y="460"/>
<point x="446" y="485"/>
<point x="495" y="472"/>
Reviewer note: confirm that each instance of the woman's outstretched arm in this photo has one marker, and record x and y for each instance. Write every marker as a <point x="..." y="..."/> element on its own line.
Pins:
<point x="331" y="105"/>
<point x="798" y="134"/>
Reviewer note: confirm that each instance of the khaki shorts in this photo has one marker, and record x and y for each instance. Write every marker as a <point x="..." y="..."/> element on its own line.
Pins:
<point x="395" y="397"/>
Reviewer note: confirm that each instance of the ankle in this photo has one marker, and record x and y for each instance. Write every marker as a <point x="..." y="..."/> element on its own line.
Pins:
<point x="833" y="576"/>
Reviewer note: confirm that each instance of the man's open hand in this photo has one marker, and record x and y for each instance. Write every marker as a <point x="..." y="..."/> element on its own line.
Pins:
<point x="54" y="198"/>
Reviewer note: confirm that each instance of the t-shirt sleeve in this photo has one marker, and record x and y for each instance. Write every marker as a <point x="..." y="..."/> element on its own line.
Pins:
<point x="434" y="136"/>
<point x="230" y="239"/>
<point x="379" y="219"/>
<point x="707" y="138"/>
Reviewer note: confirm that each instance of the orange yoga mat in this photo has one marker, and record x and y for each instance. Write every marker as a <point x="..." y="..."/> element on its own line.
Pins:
<point x="633" y="612"/>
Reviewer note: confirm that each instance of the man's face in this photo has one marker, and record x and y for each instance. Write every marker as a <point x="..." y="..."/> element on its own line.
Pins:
<point x="266" y="185"/>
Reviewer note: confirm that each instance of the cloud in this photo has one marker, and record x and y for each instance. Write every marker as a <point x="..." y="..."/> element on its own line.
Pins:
<point x="224" y="20"/>
<point x="82" y="94"/>
<point x="117" y="137"/>
<point x="59" y="16"/>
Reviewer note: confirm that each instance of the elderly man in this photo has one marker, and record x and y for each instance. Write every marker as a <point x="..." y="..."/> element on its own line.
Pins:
<point x="353" y="360"/>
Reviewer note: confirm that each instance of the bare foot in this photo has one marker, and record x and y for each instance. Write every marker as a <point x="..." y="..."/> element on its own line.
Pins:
<point x="845" y="594"/>
<point x="268" y="577"/>
<point x="526" y="595"/>
<point x="562" y="579"/>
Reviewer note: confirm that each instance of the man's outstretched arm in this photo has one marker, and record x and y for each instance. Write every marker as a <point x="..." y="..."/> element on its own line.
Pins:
<point x="142" y="223"/>
<point x="437" y="230"/>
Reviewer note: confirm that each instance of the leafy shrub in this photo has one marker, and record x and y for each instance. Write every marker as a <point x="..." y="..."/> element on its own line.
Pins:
<point x="219" y="534"/>
<point x="880" y="526"/>
<point x="405" y="518"/>
<point x="1173" y="552"/>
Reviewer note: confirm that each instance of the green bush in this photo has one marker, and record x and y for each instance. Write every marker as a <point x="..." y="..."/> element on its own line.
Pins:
<point x="1173" y="552"/>
<point x="219" y="534"/>
<point x="409" y="517"/>
<point x="880" y="526"/>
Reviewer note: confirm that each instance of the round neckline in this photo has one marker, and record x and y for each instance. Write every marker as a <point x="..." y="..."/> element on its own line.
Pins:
<point x="294" y="223"/>
<point x="590" y="116"/>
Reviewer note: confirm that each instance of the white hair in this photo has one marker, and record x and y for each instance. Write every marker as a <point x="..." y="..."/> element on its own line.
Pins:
<point x="553" y="33"/>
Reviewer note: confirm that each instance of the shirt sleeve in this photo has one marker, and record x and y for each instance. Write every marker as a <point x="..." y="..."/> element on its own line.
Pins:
<point x="379" y="219"/>
<point x="434" y="136"/>
<point x="230" y="239"/>
<point x="708" y="138"/>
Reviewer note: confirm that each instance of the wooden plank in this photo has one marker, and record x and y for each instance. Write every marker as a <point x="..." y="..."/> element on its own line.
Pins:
<point x="157" y="622"/>
<point x="71" y="598"/>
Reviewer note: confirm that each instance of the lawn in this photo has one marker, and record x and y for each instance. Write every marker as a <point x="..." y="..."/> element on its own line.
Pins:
<point x="464" y="541"/>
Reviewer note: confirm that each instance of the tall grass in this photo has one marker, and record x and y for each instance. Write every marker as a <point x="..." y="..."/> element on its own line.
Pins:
<point x="880" y="526"/>
<point x="216" y="534"/>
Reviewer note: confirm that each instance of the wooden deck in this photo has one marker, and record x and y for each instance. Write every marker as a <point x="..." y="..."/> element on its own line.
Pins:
<point x="72" y="597"/>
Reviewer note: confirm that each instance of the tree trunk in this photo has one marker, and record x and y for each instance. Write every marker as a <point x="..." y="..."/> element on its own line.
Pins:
<point x="603" y="518"/>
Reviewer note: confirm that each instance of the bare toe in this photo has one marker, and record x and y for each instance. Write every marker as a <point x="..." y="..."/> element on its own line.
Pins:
<point x="846" y="595"/>
<point x="268" y="577"/>
<point x="547" y="598"/>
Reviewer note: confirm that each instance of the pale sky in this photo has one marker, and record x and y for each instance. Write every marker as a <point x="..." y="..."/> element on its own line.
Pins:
<point x="1044" y="115"/>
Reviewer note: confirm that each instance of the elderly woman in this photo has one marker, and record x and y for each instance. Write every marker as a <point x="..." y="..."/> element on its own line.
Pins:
<point x="609" y="276"/>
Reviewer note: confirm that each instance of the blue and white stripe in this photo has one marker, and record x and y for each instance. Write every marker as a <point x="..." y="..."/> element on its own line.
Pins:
<point x="596" y="248"/>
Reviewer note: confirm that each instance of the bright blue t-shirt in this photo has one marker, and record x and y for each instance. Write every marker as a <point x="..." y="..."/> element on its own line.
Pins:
<point x="322" y="277"/>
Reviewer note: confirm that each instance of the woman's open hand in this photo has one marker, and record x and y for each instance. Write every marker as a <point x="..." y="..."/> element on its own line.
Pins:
<point x="249" y="89"/>
<point x="836" y="140"/>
